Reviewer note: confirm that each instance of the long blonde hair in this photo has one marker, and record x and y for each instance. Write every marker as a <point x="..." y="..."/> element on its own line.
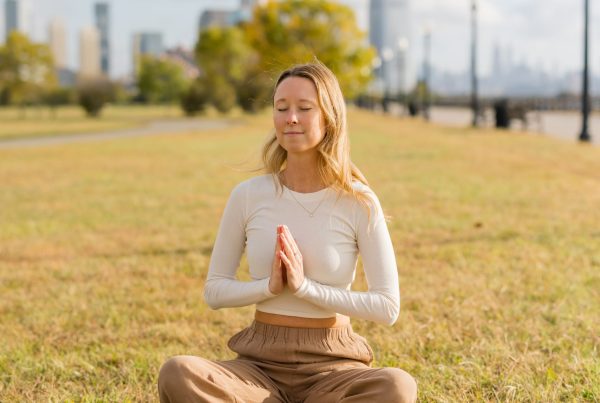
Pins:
<point x="335" y="167"/>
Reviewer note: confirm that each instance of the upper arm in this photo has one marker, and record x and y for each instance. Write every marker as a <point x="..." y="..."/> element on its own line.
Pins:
<point x="376" y="249"/>
<point x="231" y="237"/>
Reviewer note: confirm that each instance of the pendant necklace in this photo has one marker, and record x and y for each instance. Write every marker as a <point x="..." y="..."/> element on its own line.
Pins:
<point x="311" y="213"/>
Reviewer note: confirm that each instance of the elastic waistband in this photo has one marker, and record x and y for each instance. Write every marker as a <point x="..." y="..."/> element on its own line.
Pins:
<point x="299" y="322"/>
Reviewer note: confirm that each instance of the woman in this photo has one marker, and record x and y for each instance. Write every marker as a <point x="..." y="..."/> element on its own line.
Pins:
<point x="302" y="226"/>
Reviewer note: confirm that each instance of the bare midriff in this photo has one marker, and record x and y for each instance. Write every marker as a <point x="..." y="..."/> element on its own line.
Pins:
<point x="297" y="321"/>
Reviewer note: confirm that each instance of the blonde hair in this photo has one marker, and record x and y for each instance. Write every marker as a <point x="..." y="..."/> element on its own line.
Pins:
<point x="335" y="167"/>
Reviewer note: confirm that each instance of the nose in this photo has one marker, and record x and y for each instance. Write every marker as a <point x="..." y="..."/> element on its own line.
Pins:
<point x="292" y="118"/>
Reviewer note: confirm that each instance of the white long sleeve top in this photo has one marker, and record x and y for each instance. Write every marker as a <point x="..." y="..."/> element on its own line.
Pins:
<point x="329" y="241"/>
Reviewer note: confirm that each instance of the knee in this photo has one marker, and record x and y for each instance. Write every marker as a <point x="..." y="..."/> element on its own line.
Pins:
<point x="399" y="384"/>
<point x="172" y="373"/>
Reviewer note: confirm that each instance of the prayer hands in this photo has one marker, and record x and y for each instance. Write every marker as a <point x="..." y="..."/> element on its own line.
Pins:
<point x="287" y="265"/>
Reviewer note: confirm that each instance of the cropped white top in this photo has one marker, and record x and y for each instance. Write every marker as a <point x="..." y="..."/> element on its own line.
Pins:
<point x="330" y="242"/>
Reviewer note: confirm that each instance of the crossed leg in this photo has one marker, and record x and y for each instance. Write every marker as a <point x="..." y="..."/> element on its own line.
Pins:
<point x="186" y="378"/>
<point x="364" y="385"/>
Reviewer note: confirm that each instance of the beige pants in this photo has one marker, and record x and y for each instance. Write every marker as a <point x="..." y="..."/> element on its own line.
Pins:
<point x="285" y="364"/>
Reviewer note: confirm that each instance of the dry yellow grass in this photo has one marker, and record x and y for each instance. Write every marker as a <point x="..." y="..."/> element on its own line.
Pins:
<point x="104" y="248"/>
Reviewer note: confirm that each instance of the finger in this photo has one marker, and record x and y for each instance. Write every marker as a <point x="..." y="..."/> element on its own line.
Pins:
<point x="285" y="260"/>
<point x="291" y="240"/>
<point x="279" y="232"/>
<point x="287" y="248"/>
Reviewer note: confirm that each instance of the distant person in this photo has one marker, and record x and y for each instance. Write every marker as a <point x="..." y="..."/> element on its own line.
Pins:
<point x="302" y="226"/>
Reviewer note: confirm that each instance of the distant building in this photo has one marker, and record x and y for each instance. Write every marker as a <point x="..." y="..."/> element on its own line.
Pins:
<point x="102" y="17"/>
<point x="17" y="17"/>
<point x="216" y="18"/>
<point x="11" y="16"/>
<point x="227" y="18"/>
<point x="146" y="43"/>
<point x="58" y="42"/>
<point x="389" y="34"/>
<point x="66" y="77"/>
<point x="89" y="53"/>
<point x="184" y="59"/>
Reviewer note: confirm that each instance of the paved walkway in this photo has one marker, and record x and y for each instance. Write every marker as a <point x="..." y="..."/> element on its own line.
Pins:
<point x="563" y="125"/>
<point x="153" y="128"/>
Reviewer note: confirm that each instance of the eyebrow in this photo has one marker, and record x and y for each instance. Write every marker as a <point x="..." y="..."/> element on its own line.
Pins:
<point x="300" y="100"/>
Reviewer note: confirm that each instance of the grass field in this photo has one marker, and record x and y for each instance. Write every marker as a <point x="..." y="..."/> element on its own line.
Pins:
<point x="104" y="249"/>
<point x="42" y="121"/>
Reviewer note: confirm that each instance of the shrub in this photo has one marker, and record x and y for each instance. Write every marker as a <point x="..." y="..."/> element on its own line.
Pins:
<point x="93" y="94"/>
<point x="194" y="100"/>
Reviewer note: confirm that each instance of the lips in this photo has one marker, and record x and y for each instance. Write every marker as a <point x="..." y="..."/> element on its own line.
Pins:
<point x="293" y="133"/>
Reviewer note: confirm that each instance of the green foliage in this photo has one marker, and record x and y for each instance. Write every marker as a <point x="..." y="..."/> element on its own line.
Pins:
<point x="60" y="96"/>
<point x="221" y="93"/>
<point x="194" y="100"/>
<point x="225" y="52"/>
<point x="254" y="93"/>
<point x="296" y="31"/>
<point x="230" y="69"/>
<point x="26" y="70"/>
<point x="280" y="34"/>
<point x="160" y="81"/>
<point x="94" y="94"/>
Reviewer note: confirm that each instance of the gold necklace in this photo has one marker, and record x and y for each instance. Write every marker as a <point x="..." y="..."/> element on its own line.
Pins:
<point x="311" y="214"/>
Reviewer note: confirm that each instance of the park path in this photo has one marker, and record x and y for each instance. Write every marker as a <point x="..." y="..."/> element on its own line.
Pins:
<point x="152" y="128"/>
<point x="558" y="124"/>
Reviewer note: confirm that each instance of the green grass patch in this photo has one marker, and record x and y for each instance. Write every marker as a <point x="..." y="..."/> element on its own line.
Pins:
<point x="104" y="249"/>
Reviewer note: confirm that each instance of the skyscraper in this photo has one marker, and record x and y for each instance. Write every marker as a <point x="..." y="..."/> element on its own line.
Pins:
<point x="101" y="14"/>
<point x="11" y="16"/>
<point x="389" y="33"/>
<point x="89" y="53"/>
<point x="58" y="43"/>
<point x="146" y="43"/>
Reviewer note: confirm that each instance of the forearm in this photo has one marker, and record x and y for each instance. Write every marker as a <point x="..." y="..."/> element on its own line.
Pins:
<point x="380" y="306"/>
<point x="222" y="292"/>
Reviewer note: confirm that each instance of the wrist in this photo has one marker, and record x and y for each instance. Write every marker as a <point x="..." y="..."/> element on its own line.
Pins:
<point x="301" y="290"/>
<point x="273" y="289"/>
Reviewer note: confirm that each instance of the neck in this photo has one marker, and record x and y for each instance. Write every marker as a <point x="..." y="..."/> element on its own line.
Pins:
<point x="301" y="175"/>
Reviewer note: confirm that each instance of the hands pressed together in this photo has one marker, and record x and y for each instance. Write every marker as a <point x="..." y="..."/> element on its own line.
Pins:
<point x="287" y="265"/>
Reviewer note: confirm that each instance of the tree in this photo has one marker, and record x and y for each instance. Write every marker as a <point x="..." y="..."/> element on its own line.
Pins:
<point x="26" y="70"/>
<point x="160" y="81"/>
<point x="221" y="93"/>
<point x="195" y="98"/>
<point x="59" y="96"/>
<point x="296" y="31"/>
<point x="93" y="94"/>
<point x="230" y="69"/>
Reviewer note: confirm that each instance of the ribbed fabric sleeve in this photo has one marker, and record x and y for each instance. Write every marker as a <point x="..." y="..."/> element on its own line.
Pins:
<point x="222" y="289"/>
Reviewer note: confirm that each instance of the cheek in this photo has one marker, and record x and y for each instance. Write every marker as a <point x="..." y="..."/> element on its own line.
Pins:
<point x="278" y="122"/>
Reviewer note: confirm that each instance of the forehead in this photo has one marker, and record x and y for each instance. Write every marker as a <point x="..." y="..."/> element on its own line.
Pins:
<point x="297" y="88"/>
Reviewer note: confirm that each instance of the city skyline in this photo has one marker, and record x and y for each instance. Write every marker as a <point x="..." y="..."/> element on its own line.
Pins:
<point x="546" y="42"/>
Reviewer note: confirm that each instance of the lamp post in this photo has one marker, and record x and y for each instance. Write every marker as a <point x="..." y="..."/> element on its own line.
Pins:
<point x="387" y="54"/>
<point x="403" y="45"/>
<point x="426" y="71"/>
<point x="584" y="136"/>
<point x="474" y="95"/>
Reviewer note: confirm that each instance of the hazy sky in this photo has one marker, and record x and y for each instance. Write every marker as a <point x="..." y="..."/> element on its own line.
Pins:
<point x="546" y="33"/>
